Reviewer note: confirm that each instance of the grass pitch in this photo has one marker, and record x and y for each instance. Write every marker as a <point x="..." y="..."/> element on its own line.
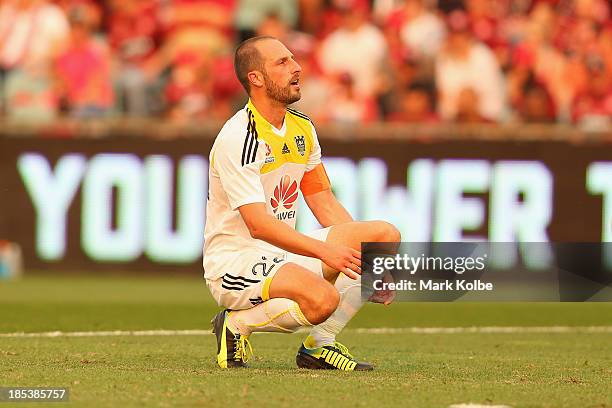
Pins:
<point x="572" y="369"/>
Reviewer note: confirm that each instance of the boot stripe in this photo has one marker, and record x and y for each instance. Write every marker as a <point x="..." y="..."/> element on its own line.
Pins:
<point x="344" y="363"/>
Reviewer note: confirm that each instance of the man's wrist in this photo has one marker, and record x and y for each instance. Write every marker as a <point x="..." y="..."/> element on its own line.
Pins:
<point x="318" y="248"/>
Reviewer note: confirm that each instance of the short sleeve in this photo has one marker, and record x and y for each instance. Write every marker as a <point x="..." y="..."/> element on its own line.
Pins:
<point x="238" y="166"/>
<point x="315" y="154"/>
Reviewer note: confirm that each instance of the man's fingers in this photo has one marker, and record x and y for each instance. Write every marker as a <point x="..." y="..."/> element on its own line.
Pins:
<point x="390" y="297"/>
<point x="348" y="272"/>
<point x="355" y="268"/>
<point x="356" y="253"/>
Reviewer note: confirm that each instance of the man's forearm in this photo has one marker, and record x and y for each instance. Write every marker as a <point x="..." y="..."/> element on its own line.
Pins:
<point x="327" y="209"/>
<point x="281" y="235"/>
<point x="335" y="214"/>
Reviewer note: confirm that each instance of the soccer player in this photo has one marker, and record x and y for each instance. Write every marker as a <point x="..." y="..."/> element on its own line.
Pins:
<point x="268" y="276"/>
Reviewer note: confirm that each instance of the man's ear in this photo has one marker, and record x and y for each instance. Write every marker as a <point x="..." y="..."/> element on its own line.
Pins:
<point x="255" y="79"/>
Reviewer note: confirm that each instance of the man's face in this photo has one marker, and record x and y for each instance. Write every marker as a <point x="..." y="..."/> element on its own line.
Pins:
<point x="281" y="73"/>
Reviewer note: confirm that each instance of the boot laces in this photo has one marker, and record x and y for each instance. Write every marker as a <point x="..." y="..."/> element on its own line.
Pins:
<point x="343" y="349"/>
<point x="243" y="350"/>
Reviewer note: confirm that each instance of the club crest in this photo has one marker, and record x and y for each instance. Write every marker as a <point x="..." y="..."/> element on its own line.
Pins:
<point x="301" y="144"/>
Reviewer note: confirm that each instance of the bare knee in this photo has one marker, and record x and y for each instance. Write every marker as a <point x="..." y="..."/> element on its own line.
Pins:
<point x="383" y="231"/>
<point x="321" y="303"/>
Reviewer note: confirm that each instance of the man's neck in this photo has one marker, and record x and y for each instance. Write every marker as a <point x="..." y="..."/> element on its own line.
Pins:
<point x="272" y="111"/>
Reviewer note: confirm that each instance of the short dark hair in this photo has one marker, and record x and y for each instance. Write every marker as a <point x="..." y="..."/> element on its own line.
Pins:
<point x="247" y="58"/>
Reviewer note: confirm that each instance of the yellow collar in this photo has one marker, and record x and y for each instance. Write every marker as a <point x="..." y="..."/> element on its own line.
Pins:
<point x="260" y="120"/>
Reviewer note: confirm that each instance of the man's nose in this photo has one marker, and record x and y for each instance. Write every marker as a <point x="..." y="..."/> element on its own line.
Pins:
<point x="297" y="67"/>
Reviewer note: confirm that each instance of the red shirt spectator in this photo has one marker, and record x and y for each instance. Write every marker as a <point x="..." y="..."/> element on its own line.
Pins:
<point x="84" y="72"/>
<point x="134" y="29"/>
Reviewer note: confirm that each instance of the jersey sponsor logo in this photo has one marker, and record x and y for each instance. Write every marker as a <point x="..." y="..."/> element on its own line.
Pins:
<point x="287" y="215"/>
<point x="285" y="194"/>
<point x="286" y="149"/>
<point x="269" y="156"/>
<point x="301" y="144"/>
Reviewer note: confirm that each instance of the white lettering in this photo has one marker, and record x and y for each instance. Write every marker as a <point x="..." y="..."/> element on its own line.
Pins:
<point x="51" y="196"/>
<point x="100" y="240"/>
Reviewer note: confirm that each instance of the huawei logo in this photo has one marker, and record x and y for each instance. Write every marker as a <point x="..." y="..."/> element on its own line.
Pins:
<point x="285" y="194"/>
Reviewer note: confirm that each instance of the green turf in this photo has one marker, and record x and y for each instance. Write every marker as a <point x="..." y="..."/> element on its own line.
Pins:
<point x="414" y="370"/>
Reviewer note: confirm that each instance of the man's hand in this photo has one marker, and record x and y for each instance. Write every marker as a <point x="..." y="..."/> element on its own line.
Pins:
<point x="343" y="259"/>
<point x="384" y="296"/>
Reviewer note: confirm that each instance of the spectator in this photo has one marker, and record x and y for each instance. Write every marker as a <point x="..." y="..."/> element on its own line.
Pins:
<point x="134" y="32"/>
<point x="483" y="17"/>
<point x="357" y="48"/>
<point x="311" y="14"/>
<point x="198" y="26"/>
<point x="468" y="107"/>
<point x="538" y="60"/>
<point x="83" y="69"/>
<point x="464" y="63"/>
<point x="32" y="34"/>
<point x="421" y="32"/>
<point x="593" y="107"/>
<point x="346" y="105"/>
<point x="296" y="41"/>
<point x="189" y="90"/>
<point x="416" y="105"/>
<point x="251" y="13"/>
<point x="536" y="105"/>
<point x="529" y="97"/>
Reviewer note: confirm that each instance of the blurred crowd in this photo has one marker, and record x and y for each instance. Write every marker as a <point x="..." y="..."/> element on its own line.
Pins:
<point x="402" y="61"/>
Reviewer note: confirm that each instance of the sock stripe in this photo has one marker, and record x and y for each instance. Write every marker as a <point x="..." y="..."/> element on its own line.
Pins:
<point x="299" y="316"/>
<point x="275" y="315"/>
<point x="270" y="319"/>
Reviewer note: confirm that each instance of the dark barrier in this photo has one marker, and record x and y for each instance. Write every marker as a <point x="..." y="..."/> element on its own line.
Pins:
<point x="137" y="204"/>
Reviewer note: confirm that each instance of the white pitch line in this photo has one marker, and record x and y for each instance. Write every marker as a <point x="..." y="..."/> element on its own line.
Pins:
<point x="373" y="330"/>
<point x="472" y="405"/>
<point x="111" y="333"/>
<point x="491" y="329"/>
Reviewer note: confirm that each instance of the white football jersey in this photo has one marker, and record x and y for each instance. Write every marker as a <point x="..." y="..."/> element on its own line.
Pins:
<point x="252" y="161"/>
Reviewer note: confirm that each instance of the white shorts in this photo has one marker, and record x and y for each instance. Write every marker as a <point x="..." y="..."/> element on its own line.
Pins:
<point x="246" y="282"/>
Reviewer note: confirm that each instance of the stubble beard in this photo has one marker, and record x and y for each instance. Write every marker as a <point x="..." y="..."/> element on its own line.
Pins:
<point x="282" y="95"/>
